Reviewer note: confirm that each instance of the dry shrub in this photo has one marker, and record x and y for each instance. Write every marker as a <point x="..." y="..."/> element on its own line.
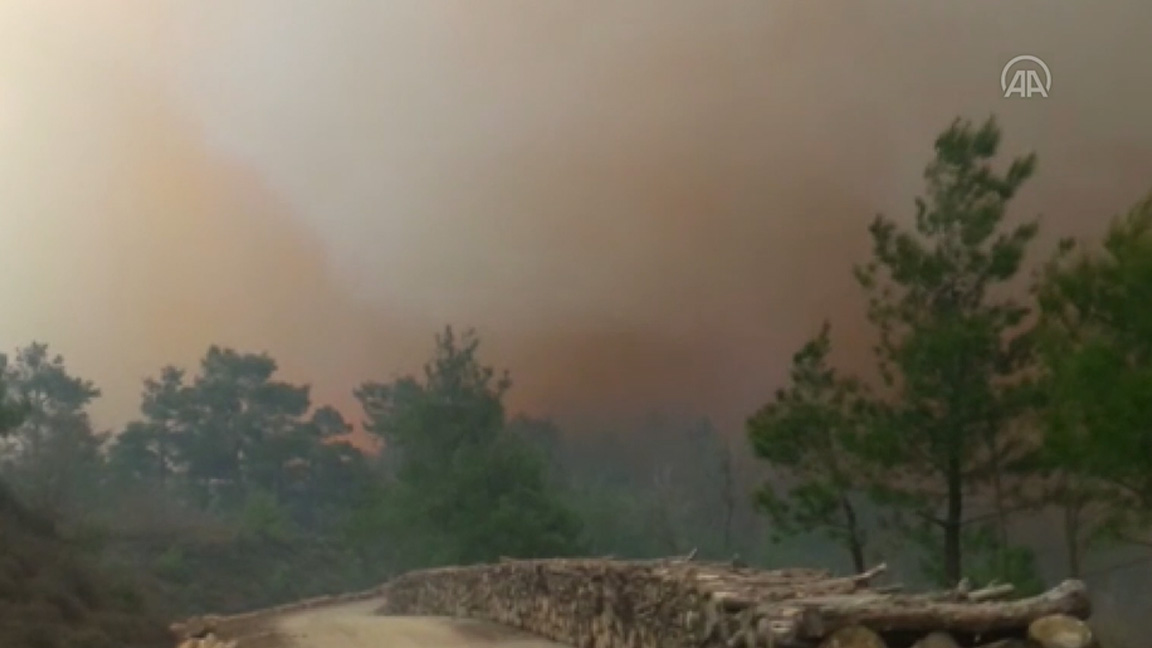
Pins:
<point x="50" y="599"/>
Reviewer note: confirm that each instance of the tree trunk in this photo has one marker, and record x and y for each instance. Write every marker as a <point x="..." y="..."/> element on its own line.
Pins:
<point x="855" y="542"/>
<point x="953" y="521"/>
<point x="1071" y="506"/>
<point x="729" y="497"/>
<point x="1072" y="533"/>
<point x="1001" y="510"/>
<point x="665" y="502"/>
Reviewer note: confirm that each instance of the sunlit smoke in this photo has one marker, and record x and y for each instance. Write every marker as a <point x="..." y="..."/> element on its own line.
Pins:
<point x="643" y="203"/>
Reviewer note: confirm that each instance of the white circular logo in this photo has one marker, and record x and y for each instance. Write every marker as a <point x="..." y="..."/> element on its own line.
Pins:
<point x="1026" y="81"/>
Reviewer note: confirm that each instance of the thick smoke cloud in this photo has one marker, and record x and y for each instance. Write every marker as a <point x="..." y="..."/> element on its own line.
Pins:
<point x="640" y="203"/>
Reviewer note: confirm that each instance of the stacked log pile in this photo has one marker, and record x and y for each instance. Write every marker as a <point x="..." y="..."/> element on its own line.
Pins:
<point x="681" y="604"/>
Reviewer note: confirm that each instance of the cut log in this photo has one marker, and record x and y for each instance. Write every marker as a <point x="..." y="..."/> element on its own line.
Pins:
<point x="853" y="637"/>
<point x="888" y="613"/>
<point x="991" y="593"/>
<point x="678" y="603"/>
<point x="937" y="640"/>
<point x="1007" y="643"/>
<point x="1060" y="631"/>
<point x="866" y="577"/>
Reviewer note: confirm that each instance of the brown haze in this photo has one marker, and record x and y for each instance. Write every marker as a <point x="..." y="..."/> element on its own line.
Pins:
<point x="638" y="203"/>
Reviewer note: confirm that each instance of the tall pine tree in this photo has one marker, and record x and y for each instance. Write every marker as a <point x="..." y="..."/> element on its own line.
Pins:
<point x="949" y="346"/>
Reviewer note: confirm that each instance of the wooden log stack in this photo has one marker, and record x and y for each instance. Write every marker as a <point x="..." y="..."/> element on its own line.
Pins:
<point x="678" y="603"/>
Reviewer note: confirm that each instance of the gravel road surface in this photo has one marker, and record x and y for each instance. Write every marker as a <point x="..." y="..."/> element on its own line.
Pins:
<point x="355" y="625"/>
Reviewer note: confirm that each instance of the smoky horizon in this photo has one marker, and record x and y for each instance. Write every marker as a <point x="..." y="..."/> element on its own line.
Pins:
<point x="638" y="206"/>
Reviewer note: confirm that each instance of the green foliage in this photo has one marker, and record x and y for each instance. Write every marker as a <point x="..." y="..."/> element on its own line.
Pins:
<point x="52" y="457"/>
<point x="263" y="519"/>
<point x="986" y="558"/>
<point x="13" y="412"/>
<point x="244" y="479"/>
<point x="464" y="489"/>
<point x="948" y="430"/>
<point x="618" y="521"/>
<point x="173" y="565"/>
<point x="663" y="485"/>
<point x="949" y="349"/>
<point x="987" y="561"/>
<point x="1097" y="353"/>
<point x="809" y="434"/>
<point x="230" y="431"/>
<point x="230" y="492"/>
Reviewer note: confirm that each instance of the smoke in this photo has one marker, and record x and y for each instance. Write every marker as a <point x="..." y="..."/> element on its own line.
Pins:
<point x="644" y="203"/>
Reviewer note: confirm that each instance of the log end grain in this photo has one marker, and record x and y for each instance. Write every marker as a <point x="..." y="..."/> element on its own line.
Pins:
<point x="853" y="637"/>
<point x="937" y="640"/>
<point x="1060" y="631"/>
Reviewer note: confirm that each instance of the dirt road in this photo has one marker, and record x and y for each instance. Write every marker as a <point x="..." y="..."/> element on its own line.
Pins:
<point x="354" y="625"/>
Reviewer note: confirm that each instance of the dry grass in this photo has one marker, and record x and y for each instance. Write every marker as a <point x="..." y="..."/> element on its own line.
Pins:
<point x="50" y="599"/>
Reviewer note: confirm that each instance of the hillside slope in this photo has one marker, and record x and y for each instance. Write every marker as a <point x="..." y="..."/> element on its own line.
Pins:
<point x="49" y="597"/>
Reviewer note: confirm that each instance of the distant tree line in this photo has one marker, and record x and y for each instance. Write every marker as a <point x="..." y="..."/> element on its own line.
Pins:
<point x="231" y="489"/>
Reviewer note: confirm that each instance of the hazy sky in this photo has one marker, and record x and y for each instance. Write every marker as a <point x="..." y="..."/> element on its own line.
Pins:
<point x="637" y="202"/>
